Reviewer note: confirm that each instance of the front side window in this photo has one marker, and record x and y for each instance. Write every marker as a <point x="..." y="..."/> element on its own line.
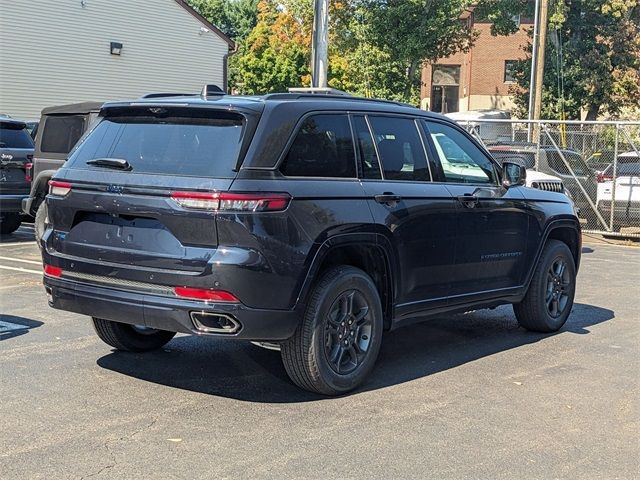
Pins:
<point x="399" y="148"/>
<point x="461" y="160"/>
<point x="61" y="132"/>
<point x="323" y="147"/>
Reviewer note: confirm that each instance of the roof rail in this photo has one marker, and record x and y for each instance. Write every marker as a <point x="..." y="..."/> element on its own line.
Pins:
<point x="318" y="91"/>
<point x="345" y="97"/>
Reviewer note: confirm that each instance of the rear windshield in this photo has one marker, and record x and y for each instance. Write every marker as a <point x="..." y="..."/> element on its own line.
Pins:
<point x="194" y="144"/>
<point x="14" y="135"/>
<point x="61" y="132"/>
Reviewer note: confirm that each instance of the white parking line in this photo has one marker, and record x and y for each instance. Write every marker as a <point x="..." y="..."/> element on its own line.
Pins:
<point x="18" y="269"/>
<point x="15" y="244"/>
<point x="33" y="262"/>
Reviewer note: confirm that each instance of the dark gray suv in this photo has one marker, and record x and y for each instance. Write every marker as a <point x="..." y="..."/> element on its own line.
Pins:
<point x="316" y="222"/>
<point x="16" y="155"/>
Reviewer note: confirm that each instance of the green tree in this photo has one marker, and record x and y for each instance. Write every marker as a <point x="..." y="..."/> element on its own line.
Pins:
<point x="592" y="59"/>
<point x="236" y="18"/>
<point x="276" y="53"/>
<point x="409" y="33"/>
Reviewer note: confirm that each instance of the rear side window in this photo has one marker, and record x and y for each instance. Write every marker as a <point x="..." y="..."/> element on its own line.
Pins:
<point x="201" y="144"/>
<point x="61" y="133"/>
<point x="323" y="147"/>
<point x="14" y="135"/>
<point x="400" y="148"/>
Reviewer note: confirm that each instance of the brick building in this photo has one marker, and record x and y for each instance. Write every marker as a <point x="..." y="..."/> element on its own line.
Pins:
<point x="478" y="79"/>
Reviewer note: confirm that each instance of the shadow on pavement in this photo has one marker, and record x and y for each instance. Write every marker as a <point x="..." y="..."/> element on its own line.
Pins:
<point x="11" y="326"/>
<point x="242" y="371"/>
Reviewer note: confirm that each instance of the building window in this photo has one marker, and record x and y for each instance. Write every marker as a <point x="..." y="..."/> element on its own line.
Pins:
<point x="509" y="71"/>
<point x="445" y="88"/>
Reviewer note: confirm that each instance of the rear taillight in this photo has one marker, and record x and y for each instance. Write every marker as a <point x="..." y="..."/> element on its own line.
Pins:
<point x="28" y="172"/>
<point x="601" y="178"/>
<point x="59" y="189"/>
<point x="52" y="271"/>
<point x="205" y="294"/>
<point x="232" y="202"/>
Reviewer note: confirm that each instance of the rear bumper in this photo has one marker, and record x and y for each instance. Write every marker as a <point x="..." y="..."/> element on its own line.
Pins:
<point x="167" y="313"/>
<point x="26" y="205"/>
<point x="12" y="203"/>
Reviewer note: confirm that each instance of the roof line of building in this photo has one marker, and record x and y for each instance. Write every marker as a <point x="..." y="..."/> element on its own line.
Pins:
<point x="206" y="23"/>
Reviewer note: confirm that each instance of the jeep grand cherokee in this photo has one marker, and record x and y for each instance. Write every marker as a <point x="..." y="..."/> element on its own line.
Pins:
<point x="317" y="222"/>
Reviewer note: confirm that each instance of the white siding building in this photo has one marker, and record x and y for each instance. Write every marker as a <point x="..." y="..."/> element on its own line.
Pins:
<point x="55" y="52"/>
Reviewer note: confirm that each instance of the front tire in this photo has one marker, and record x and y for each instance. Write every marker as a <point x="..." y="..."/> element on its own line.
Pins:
<point x="9" y="222"/>
<point x="336" y="345"/>
<point x="548" y="302"/>
<point x="130" y="338"/>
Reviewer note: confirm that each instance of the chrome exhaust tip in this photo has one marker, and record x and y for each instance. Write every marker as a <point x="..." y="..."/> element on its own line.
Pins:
<point x="207" y="322"/>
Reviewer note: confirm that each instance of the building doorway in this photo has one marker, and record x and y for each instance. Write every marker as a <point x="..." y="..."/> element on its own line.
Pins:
<point x="445" y="88"/>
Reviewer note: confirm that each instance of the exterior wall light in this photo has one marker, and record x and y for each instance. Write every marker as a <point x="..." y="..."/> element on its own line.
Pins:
<point x="116" y="48"/>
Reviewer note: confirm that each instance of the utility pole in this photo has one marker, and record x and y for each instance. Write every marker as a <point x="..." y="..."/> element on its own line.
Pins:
<point x="537" y="64"/>
<point x="319" y="44"/>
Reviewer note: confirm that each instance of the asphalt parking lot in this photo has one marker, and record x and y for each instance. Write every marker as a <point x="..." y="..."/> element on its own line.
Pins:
<point x="469" y="396"/>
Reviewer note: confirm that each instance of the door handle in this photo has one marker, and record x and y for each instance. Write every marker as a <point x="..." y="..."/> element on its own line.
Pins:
<point x="387" y="198"/>
<point x="468" y="200"/>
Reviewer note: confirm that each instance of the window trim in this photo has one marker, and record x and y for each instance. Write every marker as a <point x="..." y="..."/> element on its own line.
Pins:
<point x="416" y="122"/>
<point x="294" y="134"/>
<point x="496" y="167"/>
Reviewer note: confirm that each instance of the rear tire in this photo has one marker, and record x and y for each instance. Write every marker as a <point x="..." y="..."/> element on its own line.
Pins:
<point x="41" y="222"/>
<point x="128" y="338"/>
<point x="337" y="343"/>
<point x="9" y="222"/>
<point x="548" y="302"/>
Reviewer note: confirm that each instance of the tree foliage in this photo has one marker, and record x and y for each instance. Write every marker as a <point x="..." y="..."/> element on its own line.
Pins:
<point x="378" y="47"/>
<point x="592" y="58"/>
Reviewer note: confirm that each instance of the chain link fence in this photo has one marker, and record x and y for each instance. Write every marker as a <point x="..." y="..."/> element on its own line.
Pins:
<point x="598" y="164"/>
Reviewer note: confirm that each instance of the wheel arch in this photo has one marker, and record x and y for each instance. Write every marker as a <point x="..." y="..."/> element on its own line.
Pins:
<point x="565" y="230"/>
<point x="366" y="251"/>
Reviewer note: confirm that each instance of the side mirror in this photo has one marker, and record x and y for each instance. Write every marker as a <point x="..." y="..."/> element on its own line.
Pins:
<point x="514" y="173"/>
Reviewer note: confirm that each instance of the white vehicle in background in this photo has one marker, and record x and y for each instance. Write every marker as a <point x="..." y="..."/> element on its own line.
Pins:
<point x="626" y="198"/>
<point x="492" y="132"/>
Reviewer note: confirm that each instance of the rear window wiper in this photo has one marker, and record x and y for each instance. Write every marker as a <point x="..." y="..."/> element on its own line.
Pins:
<point x="116" y="163"/>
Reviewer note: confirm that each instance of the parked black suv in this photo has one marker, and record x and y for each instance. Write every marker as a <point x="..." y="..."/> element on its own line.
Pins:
<point x="16" y="154"/>
<point x="316" y="222"/>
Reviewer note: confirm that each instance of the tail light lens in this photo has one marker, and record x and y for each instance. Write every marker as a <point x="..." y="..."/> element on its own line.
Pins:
<point x="232" y="202"/>
<point x="28" y="172"/>
<point x="57" y="188"/>
<point x="604" y="178"/>
<point x="205" y="294"/>
<point x="52" y="271"/>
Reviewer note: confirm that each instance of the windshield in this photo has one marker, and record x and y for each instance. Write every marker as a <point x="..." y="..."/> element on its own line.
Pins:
<point x="191" y="144"/>
<point x="14" y="135"/>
